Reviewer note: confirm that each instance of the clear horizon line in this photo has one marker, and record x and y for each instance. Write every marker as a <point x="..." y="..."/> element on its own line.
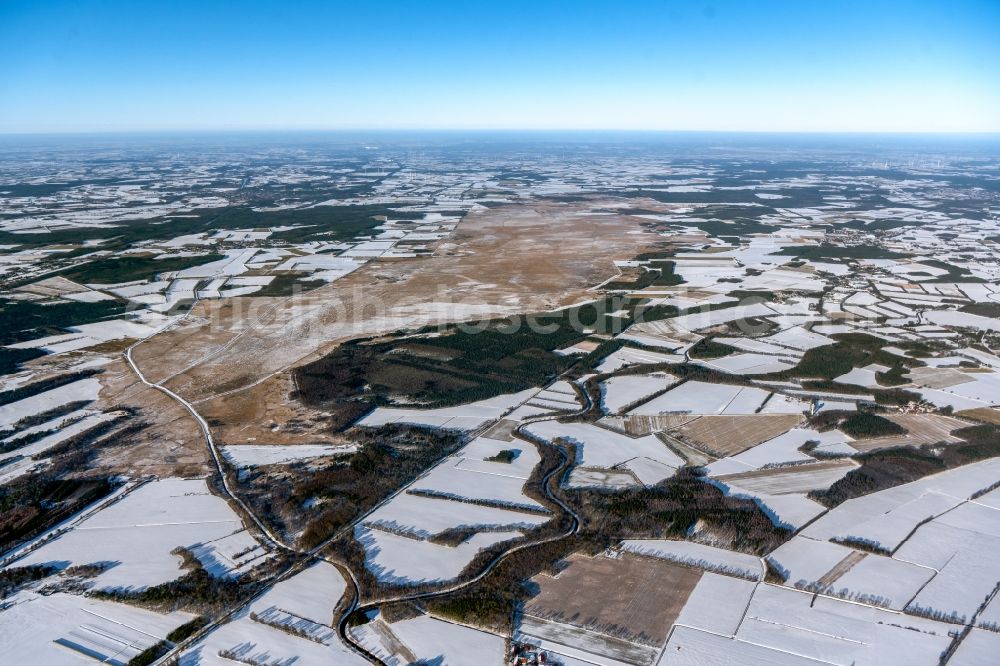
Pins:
<point x="497" y="130"/>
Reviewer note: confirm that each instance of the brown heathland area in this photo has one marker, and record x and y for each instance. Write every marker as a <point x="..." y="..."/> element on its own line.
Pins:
<point x="172" y="444"/>
<point x="230" y="357"/>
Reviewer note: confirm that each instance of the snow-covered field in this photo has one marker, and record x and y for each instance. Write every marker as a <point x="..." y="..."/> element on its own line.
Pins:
<point x="599" y="447"/>
<point x="620" y="392"/>
<point x="791" y="479"/>
<point x="428" y="640"/>
<point x="463" y="417"/>
<point x="698" y="555"/>
<point x="59" y="629"/>
<point x="786" y="626"/>
<point x="250" y="455"/>
<point x="137" y="534"/>
<point x="935" y="546"/>
<point x="83" y="389"/>
<point x="696" y="397"/>
<point x="576" y="645"/>
<point x="465" y="490"/>
<point x="406" y="560"/>
<point x="851" y="518"/>
<point x="305" y="602"/>
<point x="782" y="449"/>
<point x="717" y="604"/>
<point x="424" y="517"/>
<point x="630" y="356"/>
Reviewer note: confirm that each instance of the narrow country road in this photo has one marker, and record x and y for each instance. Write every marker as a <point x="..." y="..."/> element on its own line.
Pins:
<point x="306" y="557"/>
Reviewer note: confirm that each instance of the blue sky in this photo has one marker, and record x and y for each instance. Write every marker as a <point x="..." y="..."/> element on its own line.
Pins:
<point x="729" y="66"/>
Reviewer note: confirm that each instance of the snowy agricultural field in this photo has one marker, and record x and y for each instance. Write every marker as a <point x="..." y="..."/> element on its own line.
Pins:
<point x="787" y="479"/>
<point x="798" y="338"/>
<point x="621" y="391"/>
<point x="557" y="397"/>
<point x="717" y="604"/>
<point x="983" y="390"/>
<point x="888" y="530"/>
<point x="465" y="490"/>
<point x="603" y="448"/>
<point x="304" y="603"/>
<point x="941" y="546"/>
<point x="962" y="319"/>
<point x="404" y="560"/>
<point x="137" y="533"/>
<point x="961" y="482"/>
<point x="865" y="376"/>
<point x="694" y="322"/>
<point x="428" y="640"/>
<point x="423" y="517"/>
<point x="785" y="448"/>
<point x="748" y="364"/>
<point x="468" y="475"/>
<point x="80" y="390"/>
<point x="582" y="477"/>
<point x="838" y="632"/>
<point x="89" y="335"/>
<point x="792" y="511"/>
<point x="56" y="423"/>
<point x="698" y="555"/>
<point x="252" y="455"/>
<point x="575" y="645"/>
<point x="463" y="417"/>
<point x="978" y="647"/>
<point x="693" y="647"/>
<point x="647" y="470"/>
<point x="696" y="397"/>
<point x="966" y="561"/>
<point x="882" y="581"/>
<point x="850" y="574"/>
<point x="67" y="427"/>
<point x="60" y="628"/>
<point x="802" y="560"/>
<point x="30" y="457"/>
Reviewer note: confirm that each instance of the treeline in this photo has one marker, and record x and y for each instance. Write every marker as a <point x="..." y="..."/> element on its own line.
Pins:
<point x="34" y="388"/>
<point x="865" y="424"/>
<point x="31" y="503"/>
<point x="13" y="578"/>
<point x="706" y="348"/>
<point x="851" y="350"/>
<point x="888" y="468"/>
<point x="24" y="320"/>
<point x="670" y="509"/>
<point x="490" y="603"/>
<point x="11" y="359"/>
<point x="197" y="590"/>
<point x="388" y="458"/>
<point x="153" y="653"/>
